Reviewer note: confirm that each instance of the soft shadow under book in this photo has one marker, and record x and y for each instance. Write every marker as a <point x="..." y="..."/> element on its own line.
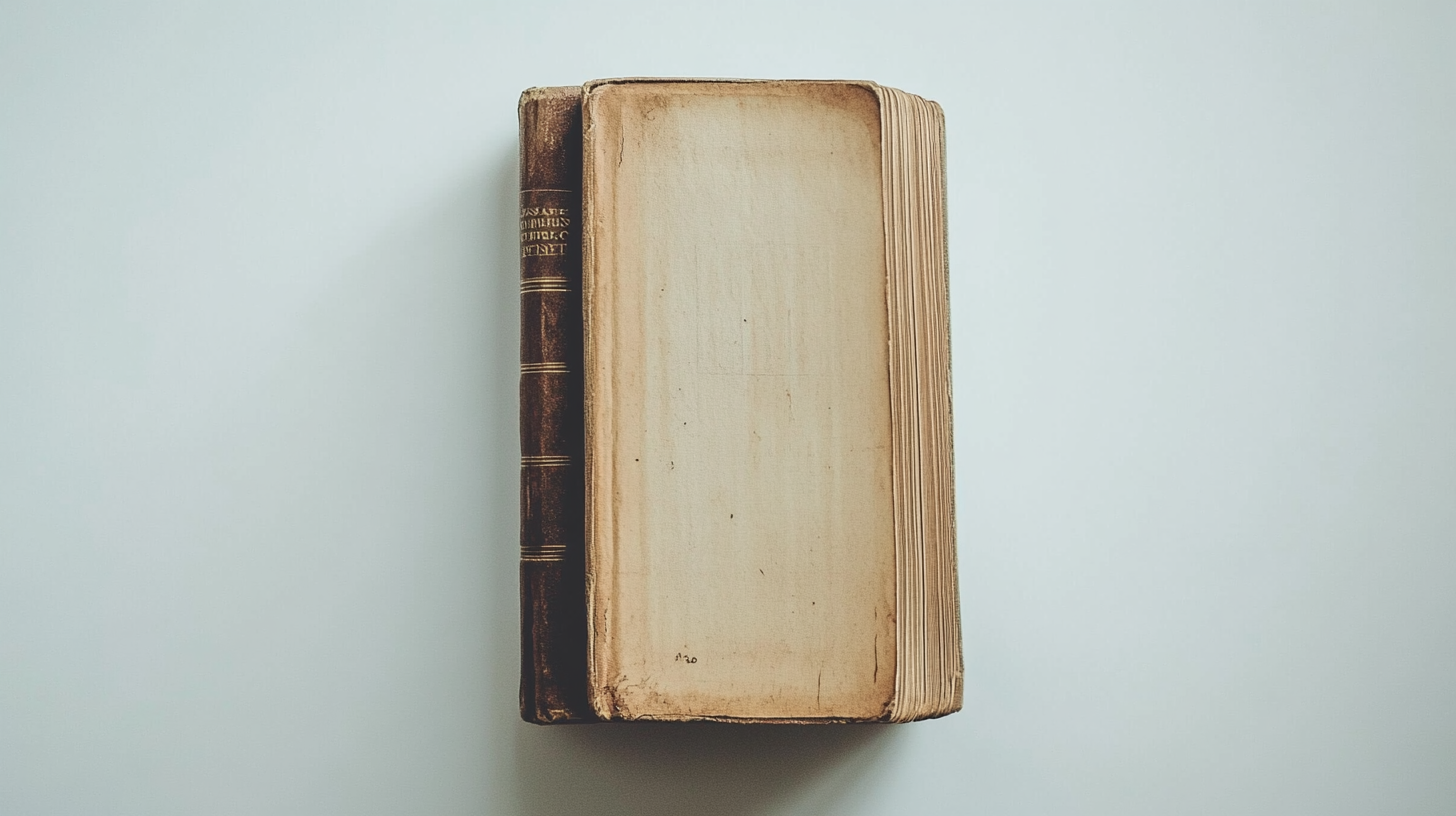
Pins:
<point x="736" y="475"/>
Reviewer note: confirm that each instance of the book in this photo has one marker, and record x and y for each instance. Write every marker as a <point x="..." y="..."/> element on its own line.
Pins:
<point x="736" y="473"/>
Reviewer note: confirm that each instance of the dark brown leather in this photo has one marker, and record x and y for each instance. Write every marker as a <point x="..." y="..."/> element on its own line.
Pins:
<point x="553" y="547"/>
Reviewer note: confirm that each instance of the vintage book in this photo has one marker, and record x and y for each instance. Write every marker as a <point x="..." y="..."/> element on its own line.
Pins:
<point x="736" y="476"/>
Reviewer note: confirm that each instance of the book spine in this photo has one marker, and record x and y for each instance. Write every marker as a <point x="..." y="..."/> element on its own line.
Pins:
<point x="553" y="547"/>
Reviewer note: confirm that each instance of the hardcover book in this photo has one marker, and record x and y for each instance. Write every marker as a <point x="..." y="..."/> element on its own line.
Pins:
<point x="736" y="477"/>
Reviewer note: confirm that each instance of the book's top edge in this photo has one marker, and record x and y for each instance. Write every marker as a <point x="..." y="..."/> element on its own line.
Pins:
<point x="548" y="92"/>
<point x="592" y="86"/>
<point x="594" y="83"/>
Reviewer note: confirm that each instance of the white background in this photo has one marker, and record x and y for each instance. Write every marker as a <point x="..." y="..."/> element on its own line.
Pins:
<point x="258" y="343"/>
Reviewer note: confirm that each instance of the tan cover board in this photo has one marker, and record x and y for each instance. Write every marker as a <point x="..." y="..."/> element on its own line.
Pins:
<point x="741" y="529"/>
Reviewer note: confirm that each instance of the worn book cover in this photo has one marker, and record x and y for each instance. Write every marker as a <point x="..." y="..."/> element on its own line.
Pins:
<point x="736" y="488"/>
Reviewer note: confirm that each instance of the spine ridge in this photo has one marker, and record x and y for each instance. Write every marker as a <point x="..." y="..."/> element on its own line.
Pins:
<point x="553" y="612"/>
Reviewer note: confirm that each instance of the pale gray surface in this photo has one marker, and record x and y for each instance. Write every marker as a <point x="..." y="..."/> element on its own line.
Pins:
<point x="257" y="410"/>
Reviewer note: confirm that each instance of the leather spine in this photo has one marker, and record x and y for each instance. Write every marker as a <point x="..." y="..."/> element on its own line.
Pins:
<point x="553" y="549"/>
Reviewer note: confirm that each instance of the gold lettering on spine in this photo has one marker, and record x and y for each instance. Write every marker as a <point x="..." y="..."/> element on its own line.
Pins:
<point x="545" y="231"/>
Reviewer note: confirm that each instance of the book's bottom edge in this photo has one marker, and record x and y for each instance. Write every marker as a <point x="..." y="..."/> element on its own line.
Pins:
<point x="557" y="720"/>
<point x="727" y="720"/>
